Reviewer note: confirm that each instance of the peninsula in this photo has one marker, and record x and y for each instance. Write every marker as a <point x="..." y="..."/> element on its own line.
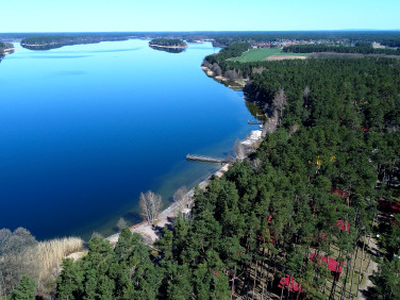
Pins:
<point x="6" y="48"/>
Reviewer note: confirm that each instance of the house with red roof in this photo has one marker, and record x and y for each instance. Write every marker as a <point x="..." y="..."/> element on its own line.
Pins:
<point x="338" y="192"/>
<point x="332" y="264"/>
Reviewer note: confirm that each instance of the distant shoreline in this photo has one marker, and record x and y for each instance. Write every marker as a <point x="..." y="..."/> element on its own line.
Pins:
<point x="10" y="50"/>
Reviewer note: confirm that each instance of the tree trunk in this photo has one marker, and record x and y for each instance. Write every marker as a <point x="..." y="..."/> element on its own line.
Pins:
<point x="233" y="284"/>
<point x="360" y="277"/>
<point x="262" y="273"/>
<point x="267" y="279"/>
<point x="335" y="278"/>
<point x="282" y="293"/>
<point x="283" y="286"/>
<point x="248" y="267"/>
<point x="352" y="269"/>
<point x="255" y="279"/>
<point x="348" y="262"/>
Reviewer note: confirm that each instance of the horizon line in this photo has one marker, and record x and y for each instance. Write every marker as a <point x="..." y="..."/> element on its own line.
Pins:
<point x="209" y="31"/>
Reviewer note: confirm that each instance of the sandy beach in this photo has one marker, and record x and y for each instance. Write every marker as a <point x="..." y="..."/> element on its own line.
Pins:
<point x="151" y="232"/>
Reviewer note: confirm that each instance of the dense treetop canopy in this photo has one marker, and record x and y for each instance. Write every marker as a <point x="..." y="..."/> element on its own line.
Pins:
<point x="362" y="48"/>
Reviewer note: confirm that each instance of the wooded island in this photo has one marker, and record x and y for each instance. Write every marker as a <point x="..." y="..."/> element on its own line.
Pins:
<point x="170" y="43"/>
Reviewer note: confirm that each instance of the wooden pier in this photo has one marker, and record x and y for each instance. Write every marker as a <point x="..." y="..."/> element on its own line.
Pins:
<point x="207" y="159"/>
<point x="254" y="123"/>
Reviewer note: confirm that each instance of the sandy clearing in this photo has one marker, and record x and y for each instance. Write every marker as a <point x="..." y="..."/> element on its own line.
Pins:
<point x="284" y="57"/>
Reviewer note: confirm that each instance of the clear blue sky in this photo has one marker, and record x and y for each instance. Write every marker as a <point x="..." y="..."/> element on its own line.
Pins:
<point x="187" y="15"/>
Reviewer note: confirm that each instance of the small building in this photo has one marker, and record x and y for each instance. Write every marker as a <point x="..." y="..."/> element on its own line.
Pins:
<point x="338" y="192"/>
<point x="332" y="264"/>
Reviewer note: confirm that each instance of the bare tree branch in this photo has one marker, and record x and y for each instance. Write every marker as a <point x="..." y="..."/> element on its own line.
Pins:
<point x="180" y="194"/>
<point x="150" y="205"/>
<point x="121" y="224"/>
<point x="238" y="150"/>
<point x="280" y="102"/>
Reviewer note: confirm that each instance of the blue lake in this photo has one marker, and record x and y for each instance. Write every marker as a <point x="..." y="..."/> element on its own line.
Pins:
<point x="84" y="129"/>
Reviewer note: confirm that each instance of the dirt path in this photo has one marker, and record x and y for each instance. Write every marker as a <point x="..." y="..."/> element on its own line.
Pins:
<point x="284" y="57"/>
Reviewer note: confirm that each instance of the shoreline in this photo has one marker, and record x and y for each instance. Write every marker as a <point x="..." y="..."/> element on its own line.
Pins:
<point x="222" y="79"/>
<point x="8" y="51"/>
<point x="166" y="217"/>
<point x="150" y="232"/>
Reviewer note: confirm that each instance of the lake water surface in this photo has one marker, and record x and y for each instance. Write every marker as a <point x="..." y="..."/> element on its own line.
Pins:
<point x="84" y="129"/>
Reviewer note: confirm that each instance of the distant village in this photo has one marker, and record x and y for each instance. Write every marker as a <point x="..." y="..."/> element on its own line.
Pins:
<point x="285" y="43"/>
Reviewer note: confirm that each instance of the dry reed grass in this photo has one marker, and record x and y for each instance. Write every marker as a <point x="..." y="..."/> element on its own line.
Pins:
<point x="41" y="261"/>
<point x="50" y="253"/>
<point x="48" y="257"/>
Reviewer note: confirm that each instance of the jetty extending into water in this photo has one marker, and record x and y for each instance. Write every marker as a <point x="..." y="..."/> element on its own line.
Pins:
<point x="203" y="158"/>
<point x="254" y="123"/>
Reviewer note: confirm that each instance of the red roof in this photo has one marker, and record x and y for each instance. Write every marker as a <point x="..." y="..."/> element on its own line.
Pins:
<point x="343" y="225"/>
<point x="337" y="192"/>
<point x="389" y="206"/>
<point x="289" y="281"/>
<point x="332" y="263"/>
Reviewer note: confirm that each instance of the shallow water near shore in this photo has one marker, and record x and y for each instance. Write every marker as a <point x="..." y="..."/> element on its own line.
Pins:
<point x="84" y="129"/>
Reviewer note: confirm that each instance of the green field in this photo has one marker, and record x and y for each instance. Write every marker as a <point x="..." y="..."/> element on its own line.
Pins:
<point x="262" y="54"/>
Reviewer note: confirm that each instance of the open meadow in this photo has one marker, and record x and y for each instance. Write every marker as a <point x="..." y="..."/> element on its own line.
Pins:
<point x="263" y="54"/>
